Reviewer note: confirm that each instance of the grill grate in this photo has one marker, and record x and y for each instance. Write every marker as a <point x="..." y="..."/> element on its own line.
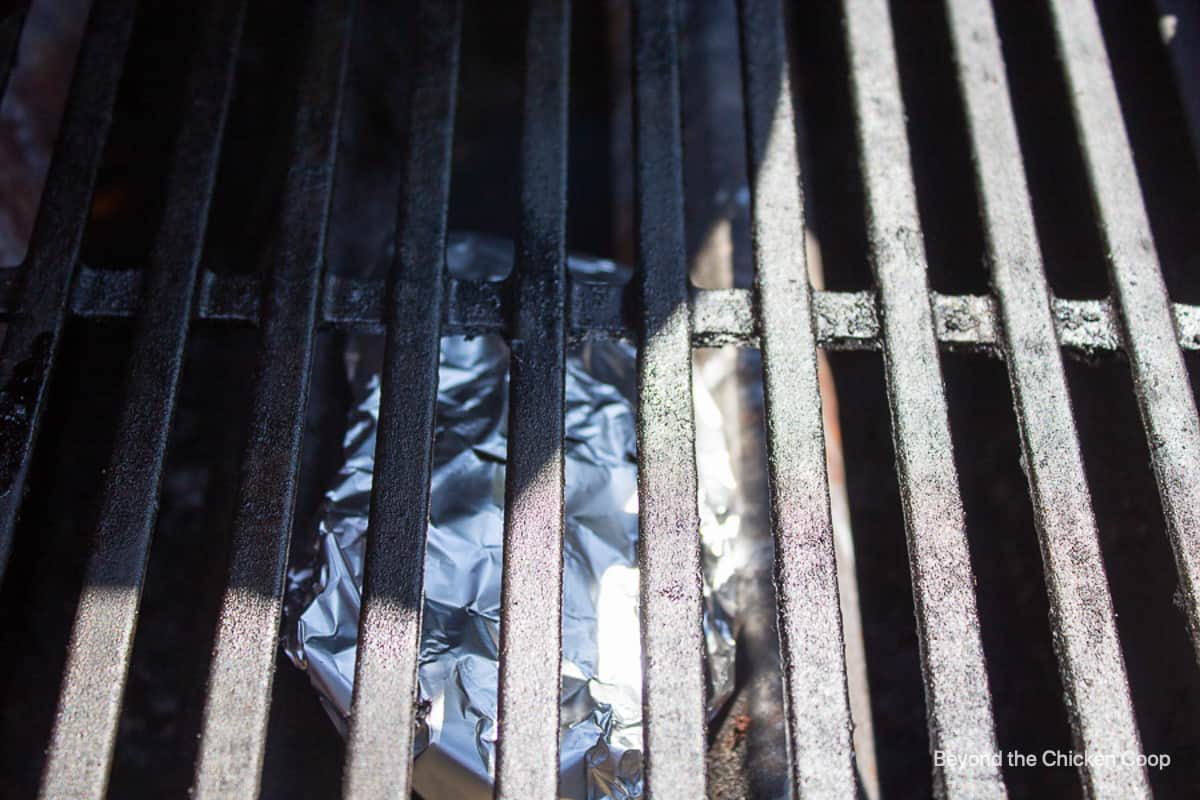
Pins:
<point x="233" y="738"/>
<point x="102" y="638"/>
<point x="843" y="320"/>
<point x="959" y="708"/>
<point x="1093" y="671"/>
<point x="781" y="314"/>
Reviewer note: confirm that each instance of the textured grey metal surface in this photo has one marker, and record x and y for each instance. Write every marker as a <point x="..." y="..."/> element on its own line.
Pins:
<point x="1161" y="380"/>
<point x="967" y="320"/>
<point x="846" y="320"/>
<point x="532" y="597"/>
<point x="1087" y="326"/>
<point x="957" y="696"/>
<point x="79" y="758"/>
<point x="382" y="723"/>
<point x="842" y="320"/>
<point x="1084" y="629"/>
<point x="668" y="547"/>
<point x="1187" y="321"/>
<point x="810" y="621"/>
<point x="234" y="728"/>
<point x="723" y="316"/>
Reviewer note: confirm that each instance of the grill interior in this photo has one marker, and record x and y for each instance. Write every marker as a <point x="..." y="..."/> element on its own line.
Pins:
<point x="1003" y="200"/>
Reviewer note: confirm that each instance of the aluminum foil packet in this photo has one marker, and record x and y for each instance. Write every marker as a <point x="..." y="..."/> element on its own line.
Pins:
<point x="602" y="667"/>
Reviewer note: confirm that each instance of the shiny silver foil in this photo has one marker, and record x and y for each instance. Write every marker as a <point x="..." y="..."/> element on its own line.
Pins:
<point x="601" y="669"/>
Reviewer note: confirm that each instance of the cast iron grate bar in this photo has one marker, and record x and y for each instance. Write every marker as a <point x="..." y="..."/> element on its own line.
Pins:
<point x="957" y="696"/>
<point x="843" y="320"/>
<point x="530" y="679"/>
<point x="1087" y="644"/>
<point x="668" y="542"/>
<point x="810" y="625"/>
<point x="234" y="729"/>
<point x="1164" y="395"/>
<point x="31" y="342"/>
<point x="382" y="720"/>
<point x="79" y="758"/>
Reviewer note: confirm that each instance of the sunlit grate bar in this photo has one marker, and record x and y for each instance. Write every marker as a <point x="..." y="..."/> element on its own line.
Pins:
<point x="1161" y="380"/>
<point x="1089" y="652"/>
<point x="810" y="625"/>
<point x="669" y="518"/>
<point x="958" y="701"/>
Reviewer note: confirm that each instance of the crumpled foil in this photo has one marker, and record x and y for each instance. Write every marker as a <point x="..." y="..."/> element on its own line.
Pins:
<point x="601" y="669"/>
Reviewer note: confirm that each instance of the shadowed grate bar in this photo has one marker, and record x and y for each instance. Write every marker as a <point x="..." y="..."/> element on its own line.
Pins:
<point x="958" y="700"/>
<point x="810" y="625"/>
<point x="539" y="310"/>
<point x="234" y="732"/>
<point x="31" y="342"/>
<point x="531" y="613"/>
<point x="79" y="759"/>
<point x="382" y="721"/>
<point x="10" y="36"/>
